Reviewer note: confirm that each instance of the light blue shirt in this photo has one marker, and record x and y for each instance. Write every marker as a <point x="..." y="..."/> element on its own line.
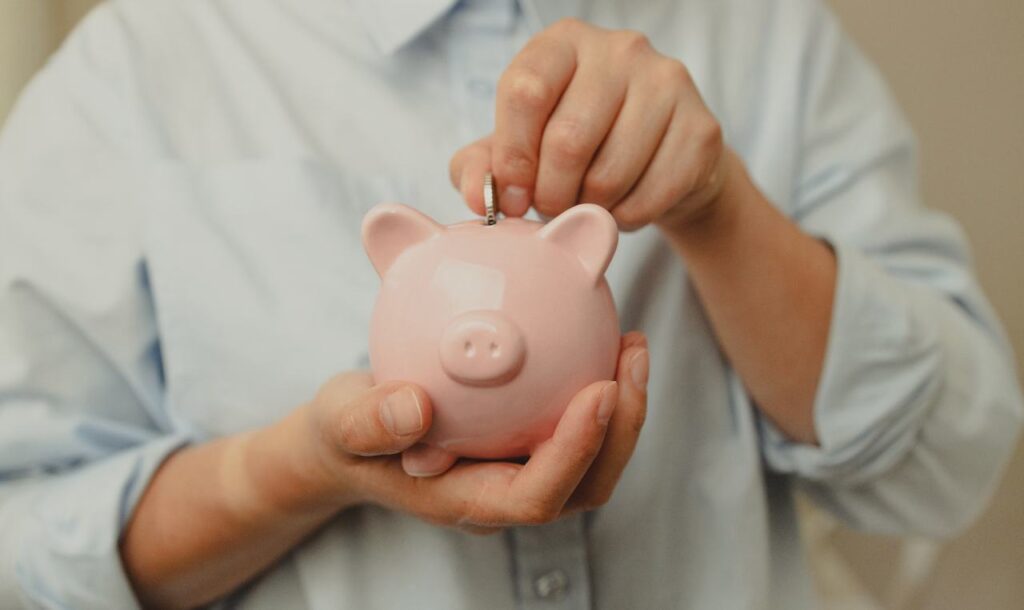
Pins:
<point x="180" y="195"/>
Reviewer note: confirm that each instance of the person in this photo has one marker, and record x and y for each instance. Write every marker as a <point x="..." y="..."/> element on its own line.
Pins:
<point x="182" y="290"/>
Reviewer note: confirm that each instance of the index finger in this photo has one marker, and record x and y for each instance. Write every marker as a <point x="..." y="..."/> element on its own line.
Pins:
<point x="623" y="430"/>
<point x="505" y="493"/>
<point x="558" y="465"/>
<point x="528" y="91"/>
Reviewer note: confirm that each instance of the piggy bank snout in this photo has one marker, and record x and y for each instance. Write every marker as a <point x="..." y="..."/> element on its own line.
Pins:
<point x="482" y="348"/>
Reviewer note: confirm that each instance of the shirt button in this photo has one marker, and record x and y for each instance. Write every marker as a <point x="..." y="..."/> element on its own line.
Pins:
<point x="551" y="585"/>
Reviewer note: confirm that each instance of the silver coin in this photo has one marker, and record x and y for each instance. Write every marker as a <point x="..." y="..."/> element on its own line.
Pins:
<point x="490" y="200"/>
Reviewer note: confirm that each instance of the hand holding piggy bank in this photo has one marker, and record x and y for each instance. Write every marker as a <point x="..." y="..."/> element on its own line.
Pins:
<point x="501" y="325"/>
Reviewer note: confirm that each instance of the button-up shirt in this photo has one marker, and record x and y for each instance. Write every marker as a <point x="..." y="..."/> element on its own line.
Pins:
<point x="181" y="191"/>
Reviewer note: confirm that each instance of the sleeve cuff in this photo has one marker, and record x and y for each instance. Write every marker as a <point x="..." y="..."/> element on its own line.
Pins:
<point x="880" y="373"/>
<point x="67" y="555"/>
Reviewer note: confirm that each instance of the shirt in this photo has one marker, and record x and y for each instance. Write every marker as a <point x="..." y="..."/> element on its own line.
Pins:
<point x="181" y="190"/>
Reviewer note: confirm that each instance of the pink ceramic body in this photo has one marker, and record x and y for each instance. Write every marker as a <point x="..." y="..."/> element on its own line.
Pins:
<point x="501" y="325"/>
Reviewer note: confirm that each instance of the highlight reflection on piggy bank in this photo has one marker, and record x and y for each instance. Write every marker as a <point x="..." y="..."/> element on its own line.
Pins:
<point x="501" y="325"/>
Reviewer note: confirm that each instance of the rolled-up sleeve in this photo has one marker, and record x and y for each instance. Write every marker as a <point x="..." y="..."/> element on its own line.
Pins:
<point x="82" y="428"/>
<point x="918" y="406"/>
<point x="60" y="533"/>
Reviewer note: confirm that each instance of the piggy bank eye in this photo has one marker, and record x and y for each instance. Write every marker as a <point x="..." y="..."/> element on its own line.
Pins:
<point x="390" y="229"/>
<point x="588" y="231"/>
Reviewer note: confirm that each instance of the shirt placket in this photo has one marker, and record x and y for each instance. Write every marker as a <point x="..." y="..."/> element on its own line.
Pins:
<point x="551" y="569"/>
<point x="551" y="564"/>
<point x="479" y="48"/>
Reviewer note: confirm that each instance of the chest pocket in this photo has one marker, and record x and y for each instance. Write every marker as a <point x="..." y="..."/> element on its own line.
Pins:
<point x="260" y="283"/>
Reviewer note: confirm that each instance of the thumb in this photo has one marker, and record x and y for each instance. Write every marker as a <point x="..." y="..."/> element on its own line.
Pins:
<point x="381" y="420"/>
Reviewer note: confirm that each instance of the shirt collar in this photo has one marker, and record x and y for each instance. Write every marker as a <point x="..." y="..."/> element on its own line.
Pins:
<point x="543" y="13"/>
<point x="391" y="24"/>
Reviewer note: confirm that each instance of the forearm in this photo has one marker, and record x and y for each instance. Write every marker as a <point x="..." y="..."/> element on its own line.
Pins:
<point x="767" y="287"/>
<point x="217" y="514"/>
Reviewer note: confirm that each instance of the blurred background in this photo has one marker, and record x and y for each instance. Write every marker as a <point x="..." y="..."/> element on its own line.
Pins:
<point x="958" y="69"/>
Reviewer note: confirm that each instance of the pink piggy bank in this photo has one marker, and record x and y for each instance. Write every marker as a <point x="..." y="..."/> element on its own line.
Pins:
<point x="501" y="325"/>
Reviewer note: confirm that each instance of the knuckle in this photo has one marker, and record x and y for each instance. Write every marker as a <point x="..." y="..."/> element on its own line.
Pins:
<point x="326" y="438"/>
<point x="513" y="161"/>
<point x="472" y="514"/>
<point x="525" y="89"/>
<point x="601" y="186"/>
<point x="481" y="509"/>
<point x="632" y="42"/>
<point x="675" y="72"/>
<point x="567" y="143"/>
<point x="698" y="177"/>
<point x="629" y="216"/>
<point x="435" y="517"/>
<point x="709" y="133"/>
<point x="702" y="179"/>
<point x="446" y="517"/>
<point x="433" y="510"/>
<point x="537" y="513"/>
<point x="686" y="183"/>
<point x="566" y="25"/>
<point x="346" y="435"/>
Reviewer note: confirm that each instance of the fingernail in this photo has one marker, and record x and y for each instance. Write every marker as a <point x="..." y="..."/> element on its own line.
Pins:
<point x="514" y="201"/>
<point x="609" y="398"/>
<point x="639" y="367"/>
<point x="401" y="412"/>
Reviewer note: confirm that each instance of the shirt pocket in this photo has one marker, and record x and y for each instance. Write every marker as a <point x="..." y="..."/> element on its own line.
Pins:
<point x="260" y="283"/>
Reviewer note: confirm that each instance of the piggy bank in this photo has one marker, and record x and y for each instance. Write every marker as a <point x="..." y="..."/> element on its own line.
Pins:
<point x="500" y="324"/>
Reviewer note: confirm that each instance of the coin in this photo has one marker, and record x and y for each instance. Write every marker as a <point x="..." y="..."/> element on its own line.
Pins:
<point x="490" y="201"/>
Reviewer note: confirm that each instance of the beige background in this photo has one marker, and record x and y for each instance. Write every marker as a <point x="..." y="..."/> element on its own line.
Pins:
<point x="958" y="69"/>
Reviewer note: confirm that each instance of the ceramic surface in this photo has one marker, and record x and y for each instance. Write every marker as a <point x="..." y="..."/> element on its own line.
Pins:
<point x="501" y="325"/>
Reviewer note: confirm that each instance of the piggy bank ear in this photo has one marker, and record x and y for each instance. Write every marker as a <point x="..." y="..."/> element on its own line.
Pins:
<point x="588" y="231"/>
<point x="391" y="228"/>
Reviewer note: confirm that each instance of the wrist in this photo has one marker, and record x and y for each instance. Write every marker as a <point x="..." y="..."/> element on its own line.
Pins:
<point x="279" y="470"/>
<point x="718" y="216"/>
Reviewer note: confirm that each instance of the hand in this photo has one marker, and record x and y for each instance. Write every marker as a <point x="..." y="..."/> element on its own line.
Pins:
<point x="586" y="114"/>
<point x="216" y="514"/>
<point x="358" y="431"/>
